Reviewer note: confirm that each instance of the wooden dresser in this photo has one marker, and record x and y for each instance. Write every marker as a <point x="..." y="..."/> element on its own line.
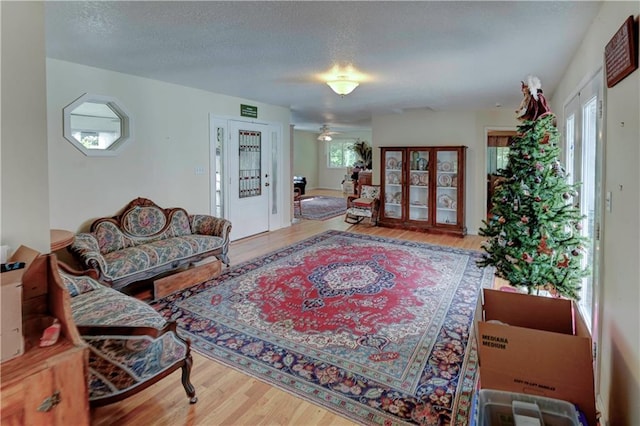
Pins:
<point x="45" y="386"/>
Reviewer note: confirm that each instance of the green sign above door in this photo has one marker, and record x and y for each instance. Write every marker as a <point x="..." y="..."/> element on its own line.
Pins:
<point x="248" y="111"/>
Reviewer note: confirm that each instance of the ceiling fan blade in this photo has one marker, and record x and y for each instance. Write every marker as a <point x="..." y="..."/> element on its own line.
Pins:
<point x="325" y="132"/>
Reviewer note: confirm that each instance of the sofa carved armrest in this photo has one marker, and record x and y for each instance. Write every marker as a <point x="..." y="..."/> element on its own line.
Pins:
<point x="214" y="226"/>
<point x="91" y="273"/>
<point x="85" y="247"/>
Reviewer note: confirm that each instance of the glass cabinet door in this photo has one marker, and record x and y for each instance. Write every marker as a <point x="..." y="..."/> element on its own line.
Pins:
<point x="447" y="187"/>
<point x="418" y="185"/>
<point x="393" y="181"/>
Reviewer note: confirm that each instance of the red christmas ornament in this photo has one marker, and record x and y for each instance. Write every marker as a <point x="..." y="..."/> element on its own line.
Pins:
<point x="545" y="139"/>
<point x="565" y="262"/>
<point x="542" y="247"/>
<point x="527" y="257"/>
<point x="524" y="219"/>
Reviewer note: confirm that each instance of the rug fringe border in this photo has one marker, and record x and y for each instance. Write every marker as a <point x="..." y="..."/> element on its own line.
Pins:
<point x="387" y="420"/>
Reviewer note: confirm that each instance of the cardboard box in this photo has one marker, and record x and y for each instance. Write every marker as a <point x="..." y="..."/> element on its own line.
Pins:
<point x="11" y="299"/>
<point x="11" y="341"/>
<point x="535" y="345"/>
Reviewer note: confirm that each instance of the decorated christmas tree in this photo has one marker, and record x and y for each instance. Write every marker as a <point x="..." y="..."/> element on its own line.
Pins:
<point x="534" y="229"/>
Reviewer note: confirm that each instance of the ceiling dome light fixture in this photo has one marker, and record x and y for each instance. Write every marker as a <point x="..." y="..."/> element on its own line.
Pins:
<point x="325" y="138"/>
<point x="342" y="85"/>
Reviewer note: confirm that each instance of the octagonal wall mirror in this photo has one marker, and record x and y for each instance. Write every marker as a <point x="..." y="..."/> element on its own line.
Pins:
<point x="97" y="125"/>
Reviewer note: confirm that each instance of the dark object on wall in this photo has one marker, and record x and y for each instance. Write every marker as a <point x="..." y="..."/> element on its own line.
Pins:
<point x="300" y="182"/>
<point x="621" y="53"/>
<point x="11" y="266"/>
<point x="354" y="174"/>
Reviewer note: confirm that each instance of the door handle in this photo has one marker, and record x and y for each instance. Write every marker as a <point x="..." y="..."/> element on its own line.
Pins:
<point x="49" y="403"/>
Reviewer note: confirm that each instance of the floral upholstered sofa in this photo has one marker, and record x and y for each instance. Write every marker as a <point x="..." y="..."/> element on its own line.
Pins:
<point x="131" y="346"/>
<point x="145" y="241"/>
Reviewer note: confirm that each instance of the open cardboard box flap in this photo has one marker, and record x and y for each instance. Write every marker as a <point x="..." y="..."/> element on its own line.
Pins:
<point x="540" y="346"/>
<point x="22" y="254"/>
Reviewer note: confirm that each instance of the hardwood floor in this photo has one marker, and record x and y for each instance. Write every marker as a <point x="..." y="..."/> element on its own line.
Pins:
<point x="227" y="397"/>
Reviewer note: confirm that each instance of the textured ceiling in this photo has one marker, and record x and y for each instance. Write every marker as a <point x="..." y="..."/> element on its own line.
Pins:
<point x="407" y="55"/>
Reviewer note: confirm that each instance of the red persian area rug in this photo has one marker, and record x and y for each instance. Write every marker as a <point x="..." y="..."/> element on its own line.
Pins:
<point x="320" y="207"/>
<point x="374" y="329"/>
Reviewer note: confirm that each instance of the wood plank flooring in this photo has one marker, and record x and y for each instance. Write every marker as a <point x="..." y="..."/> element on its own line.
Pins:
<point x="227" y="397"/>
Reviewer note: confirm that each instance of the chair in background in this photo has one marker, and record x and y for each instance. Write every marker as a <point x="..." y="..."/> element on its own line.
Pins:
<point x="297" y="201"/>
<point x="364" y="205"/>
<point x="300" y="182"/>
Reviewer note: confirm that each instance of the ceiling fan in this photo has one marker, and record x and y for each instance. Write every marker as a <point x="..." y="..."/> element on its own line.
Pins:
<point x="326" y="134"/>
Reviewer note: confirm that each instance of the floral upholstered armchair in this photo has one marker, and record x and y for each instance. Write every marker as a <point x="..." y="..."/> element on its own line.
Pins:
<point x="131" y="346"/>
<point x="364" y="205"/>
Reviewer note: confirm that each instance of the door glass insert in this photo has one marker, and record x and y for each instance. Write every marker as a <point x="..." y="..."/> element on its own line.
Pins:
<point x="249" y="159"/>
<point x="219" y="172"/>
<point x="419" y="185"/>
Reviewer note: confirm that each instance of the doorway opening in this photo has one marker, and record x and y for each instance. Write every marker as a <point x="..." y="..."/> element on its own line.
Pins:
<point x="498" y="143"/>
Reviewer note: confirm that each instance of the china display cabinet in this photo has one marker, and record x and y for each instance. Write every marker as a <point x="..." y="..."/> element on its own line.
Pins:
<point x="423" y="188"/>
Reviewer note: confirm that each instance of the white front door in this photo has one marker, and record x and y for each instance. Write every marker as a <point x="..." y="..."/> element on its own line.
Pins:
<point x="248" y="178"/>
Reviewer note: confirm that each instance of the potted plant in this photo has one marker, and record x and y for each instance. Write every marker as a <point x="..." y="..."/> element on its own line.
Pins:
<point x="364" y="152"/>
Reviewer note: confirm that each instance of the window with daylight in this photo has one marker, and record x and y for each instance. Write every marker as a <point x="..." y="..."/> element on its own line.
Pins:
<point x="340" y="154"/>
<point x="498" y="143"/>
<point x="498" y="157"/>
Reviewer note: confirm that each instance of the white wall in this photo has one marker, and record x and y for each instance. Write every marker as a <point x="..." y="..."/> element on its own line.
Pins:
<point x="305" y="157"/>
<point x="428" y="128"/>
<point x="171" y="138"/>
<point x="620" y="297"/>
<point x="25" y="191"/>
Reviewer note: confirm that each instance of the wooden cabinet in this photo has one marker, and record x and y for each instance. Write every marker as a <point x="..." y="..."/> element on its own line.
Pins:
<point x="423" y="188"/>
<point x="45" y="385"/>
